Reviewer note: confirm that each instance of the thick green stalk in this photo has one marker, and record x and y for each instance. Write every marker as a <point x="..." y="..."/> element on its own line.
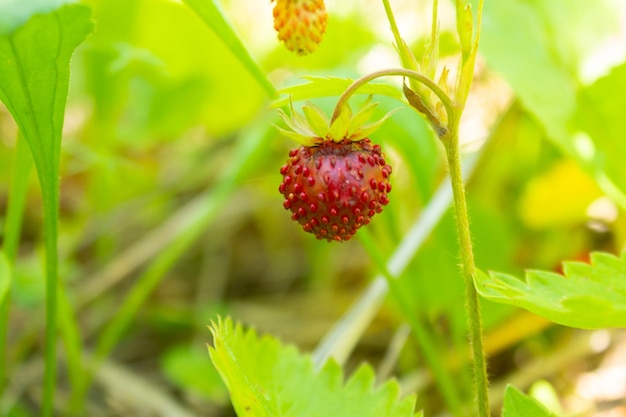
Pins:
<point x="50" y="194"/>
<point x="481" y="383"/>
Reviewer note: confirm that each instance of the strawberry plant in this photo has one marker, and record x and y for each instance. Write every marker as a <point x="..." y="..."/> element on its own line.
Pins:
<point x="378" y="207"/>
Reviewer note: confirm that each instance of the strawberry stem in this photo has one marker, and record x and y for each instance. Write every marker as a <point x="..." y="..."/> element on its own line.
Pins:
<point x="419" y="77"/>
<point x="468" y="268"/>
<point x="414" y="75"/>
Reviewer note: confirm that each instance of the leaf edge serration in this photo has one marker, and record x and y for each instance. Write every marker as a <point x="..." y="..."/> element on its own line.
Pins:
<point x="257" y="398"/>
<point x="569" y="298"/>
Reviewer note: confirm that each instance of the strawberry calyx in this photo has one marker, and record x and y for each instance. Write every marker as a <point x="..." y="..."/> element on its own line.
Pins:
<point x="314" y="126"/>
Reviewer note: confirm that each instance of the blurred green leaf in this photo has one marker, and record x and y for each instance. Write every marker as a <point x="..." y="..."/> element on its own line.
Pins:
<point x="518" y="45"/>
<point x="517" y="404"/>
<point x="540" y="48"/>
<point x="211" y="13"/>
<point x="5" y="276"/>
<point x="191" y="369"/>
<point x="330" y="86"/>
<point x="600" y="115"/>
<point x="266" y="378"/>
<point x="226" y="96"/>
<point x="587" y="296"/>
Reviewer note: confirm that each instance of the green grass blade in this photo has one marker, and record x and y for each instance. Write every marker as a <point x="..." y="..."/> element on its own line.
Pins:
<point x="70" y="334"/>
<point x="5" y="276"/>
<point x="211" y="13"/>
<point x="12" y="229"/>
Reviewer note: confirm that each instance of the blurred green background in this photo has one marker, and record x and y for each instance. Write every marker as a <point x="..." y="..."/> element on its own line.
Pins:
<point x="170" y="169"/>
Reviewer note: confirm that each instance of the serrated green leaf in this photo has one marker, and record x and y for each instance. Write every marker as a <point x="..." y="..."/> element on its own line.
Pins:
<point x="317" y="119"/>
<point x="517" y="404"/>
<point x="266" y="378"/>
<point x="211" y="13"/>
<point x="328" y="87"/>
<point x="5" y="277"/>
<point x="587" y="296"/>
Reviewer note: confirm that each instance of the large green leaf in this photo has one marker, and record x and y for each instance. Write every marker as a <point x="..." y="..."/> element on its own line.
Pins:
<point x="587" y="296"/>
<point x="517" y="404"/>
<point x="266" y="378"/>
<point x="210" y="12"/>
<point x="34" y="63"/>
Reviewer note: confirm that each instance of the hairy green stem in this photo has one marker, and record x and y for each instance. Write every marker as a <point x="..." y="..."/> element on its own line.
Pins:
<point x="481" y="381"/>
<point x="421" y="78"/>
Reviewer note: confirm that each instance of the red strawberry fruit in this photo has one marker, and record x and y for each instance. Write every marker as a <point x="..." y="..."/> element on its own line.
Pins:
<point x="337" y="181"/>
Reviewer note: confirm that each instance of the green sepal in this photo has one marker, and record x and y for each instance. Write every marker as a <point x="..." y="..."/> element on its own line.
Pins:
<point x="317" y="119"/>
<point x="300" y="121"/>
<point x="362" y="115"/>
<point x="465" y="28"/>
<point x="296" y="127"/>
<point x="366" y="130"/>
<point x="339" y="127"/>
<point x="430" y="61"/>
<point x="301" y="139"/>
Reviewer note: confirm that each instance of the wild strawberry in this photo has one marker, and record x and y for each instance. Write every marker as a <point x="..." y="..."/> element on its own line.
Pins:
<point x="300" y="24"/>
<point x="333" y="188"/>
<point x="338" y="179"/>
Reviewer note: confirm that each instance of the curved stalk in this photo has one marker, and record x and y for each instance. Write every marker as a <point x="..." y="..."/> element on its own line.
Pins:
<point x="414" y="75"/>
